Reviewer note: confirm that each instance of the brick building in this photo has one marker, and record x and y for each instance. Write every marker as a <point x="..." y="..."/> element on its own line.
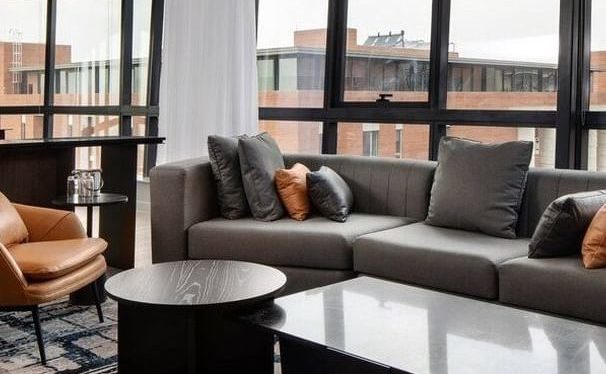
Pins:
<point x="293" y="77"/>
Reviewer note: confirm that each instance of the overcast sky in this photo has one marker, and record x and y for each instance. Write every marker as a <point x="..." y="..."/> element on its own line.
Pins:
<point x="524" y="30"/>
<point x="521" y="30"/>
<point x="91" y="27"/>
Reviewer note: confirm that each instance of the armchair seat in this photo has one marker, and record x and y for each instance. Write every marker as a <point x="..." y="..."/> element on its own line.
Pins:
<point x="42" y="261"/>
<point x="43" y="292"/>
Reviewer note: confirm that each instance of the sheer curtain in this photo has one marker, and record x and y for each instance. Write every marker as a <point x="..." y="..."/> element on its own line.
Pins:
<point x="209" y="74"/>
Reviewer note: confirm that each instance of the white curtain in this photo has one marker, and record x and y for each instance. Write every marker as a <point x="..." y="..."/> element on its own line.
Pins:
<point x="209" y="74"/>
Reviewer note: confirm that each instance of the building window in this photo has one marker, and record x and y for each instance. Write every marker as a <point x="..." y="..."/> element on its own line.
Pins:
<point x="388" y="48"/>
<point x="515" y="44"/>
<point x="371" y="143"/>
<point x="398" y="152"/>
<point x="293" y="33"/>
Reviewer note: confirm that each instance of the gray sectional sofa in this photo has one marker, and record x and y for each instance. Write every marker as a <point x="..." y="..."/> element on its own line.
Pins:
<point x="385" y="236"/>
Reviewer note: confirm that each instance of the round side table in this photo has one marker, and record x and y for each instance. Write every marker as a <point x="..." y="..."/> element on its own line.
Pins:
<point x="181" y="317"/>
<point x="84" y="296"/>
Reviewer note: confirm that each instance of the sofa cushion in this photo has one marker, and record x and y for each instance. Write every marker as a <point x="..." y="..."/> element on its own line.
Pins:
<point x="330" y="194"/>
<point x="225" y="164"/>
<point x="260" y="157"/>
<point x="563" y="224"/>
<point x="556" y="285"/>
<point x="479" y="187"/>
<point x="594" y="242"/>
<point x="42" y="261"/>
<point x="437" y="257"/>
<point x="316" y="242"/>
<point x="291" y="185"/>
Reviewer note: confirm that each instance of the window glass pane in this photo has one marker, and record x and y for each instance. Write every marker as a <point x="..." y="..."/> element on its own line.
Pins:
<point x="291" y="39"/>
<point x="141" y="29"/>
<point x="295" y="137"/>
<point x="544" y="139"/>
<point x="15" y="127"/>
<point x="139" y="130"/>
<point x="22" y="45"/>
<point x="503" y="54"/>
<point x="72" y="125"/>
<point x="88" y="52"/>
<point x="598" y="56"/>
<point x="388" y="45"/>
<point x="596" y="160"/>
<point x="384" y="140"/>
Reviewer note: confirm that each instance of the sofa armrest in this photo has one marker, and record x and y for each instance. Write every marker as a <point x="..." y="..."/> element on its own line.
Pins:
<point x="45" y="224"/>
<point x="182" y="194"/>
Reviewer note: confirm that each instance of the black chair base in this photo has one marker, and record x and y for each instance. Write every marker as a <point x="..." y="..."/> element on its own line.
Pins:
<point x="35" y="309"/>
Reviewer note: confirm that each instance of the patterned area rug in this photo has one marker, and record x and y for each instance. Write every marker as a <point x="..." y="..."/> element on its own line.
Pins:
<point x="75" y="341"/>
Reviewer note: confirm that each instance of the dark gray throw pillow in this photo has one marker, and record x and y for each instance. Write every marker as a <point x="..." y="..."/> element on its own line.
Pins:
<point x="479" y="187"/>
<point x="329" y="194"/>
<point x="260" y="157"/>
<point x="562" y="226"/>
<point x="225" y="164"/>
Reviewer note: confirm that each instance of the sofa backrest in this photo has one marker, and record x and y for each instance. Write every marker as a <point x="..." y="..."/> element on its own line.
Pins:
<point x="379" y="185"/>
<point x="403" y="187"/>
<point x="545" y="185"/>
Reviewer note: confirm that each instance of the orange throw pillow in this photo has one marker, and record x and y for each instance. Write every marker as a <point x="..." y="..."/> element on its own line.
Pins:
<point x="594" y="243"/>
<point x="292" y="188"/>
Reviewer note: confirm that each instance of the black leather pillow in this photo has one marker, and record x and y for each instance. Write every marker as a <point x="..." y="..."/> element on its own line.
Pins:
<point x="329" y="194"/>
<point x="479" y="187"/>
<point x="225" y="164"/>
<point x="260" y="157"/>
<point x="563" y="224"/>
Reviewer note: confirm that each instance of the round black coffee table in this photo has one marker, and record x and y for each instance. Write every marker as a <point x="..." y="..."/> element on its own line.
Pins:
<point x="180" y="317"/>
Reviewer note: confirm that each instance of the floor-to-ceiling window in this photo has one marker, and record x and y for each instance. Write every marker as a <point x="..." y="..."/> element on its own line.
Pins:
<point x="400" y="74"/>
<point x="80" y="68"/>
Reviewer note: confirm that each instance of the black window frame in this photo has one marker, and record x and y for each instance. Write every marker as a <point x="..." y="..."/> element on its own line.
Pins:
<point x="124" y="110"/>
<point x="571" y="119"/>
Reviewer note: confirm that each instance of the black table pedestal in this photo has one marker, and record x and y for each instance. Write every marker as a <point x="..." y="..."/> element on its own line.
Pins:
<point x="168" y="340"/>
<point x="85" y="296"/>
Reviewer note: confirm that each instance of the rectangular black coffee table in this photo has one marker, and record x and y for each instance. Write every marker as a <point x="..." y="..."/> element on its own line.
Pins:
<point x="367" y="325"/>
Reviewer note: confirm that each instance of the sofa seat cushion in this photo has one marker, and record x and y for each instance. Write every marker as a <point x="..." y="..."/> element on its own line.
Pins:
<point x="447" y="259"/>
<point x="315" y="243"/>
<point x="556" y="285"/>
<point x="41" y="261"/>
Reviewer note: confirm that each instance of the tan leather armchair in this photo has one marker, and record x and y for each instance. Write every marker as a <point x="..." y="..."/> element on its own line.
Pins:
<point x="45" y="255"/>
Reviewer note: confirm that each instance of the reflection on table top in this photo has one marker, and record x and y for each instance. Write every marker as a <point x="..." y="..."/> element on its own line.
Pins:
<point x="422" y="331"/>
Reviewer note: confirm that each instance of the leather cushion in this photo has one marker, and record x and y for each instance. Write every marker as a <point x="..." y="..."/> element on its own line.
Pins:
<point x="42" y="261"/>
<point x="563" y="224"/>
<point x="260" y="157"/>
<point x="330" y="194"/>
<point x="594" y="242"/>
<point x="447" y="259"/>
<point x="12" y="227"/>
<point x="292" y="188"/>
<point x="316" y="243"/>
<point x="225" y="165"/>
<point x="479" y="187"/>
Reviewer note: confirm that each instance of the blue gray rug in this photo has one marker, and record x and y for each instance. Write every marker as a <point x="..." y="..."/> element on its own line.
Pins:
<point x="75" y="341"/>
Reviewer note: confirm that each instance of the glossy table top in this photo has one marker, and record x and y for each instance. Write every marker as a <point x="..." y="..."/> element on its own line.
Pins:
<point x="102" y="199"/>
<point x="421" y="331"/>
<point x="196" y="284"/>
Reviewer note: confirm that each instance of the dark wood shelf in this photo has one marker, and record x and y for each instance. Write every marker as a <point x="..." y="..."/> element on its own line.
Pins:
<point x="78" y="142"/>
